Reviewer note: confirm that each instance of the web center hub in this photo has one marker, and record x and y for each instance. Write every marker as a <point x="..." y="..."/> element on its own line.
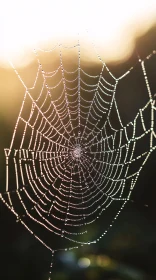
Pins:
<point x="76" y="152"/>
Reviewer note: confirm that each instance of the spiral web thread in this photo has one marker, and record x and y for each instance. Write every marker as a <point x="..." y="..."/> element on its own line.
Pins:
<point x="70" y="162"/>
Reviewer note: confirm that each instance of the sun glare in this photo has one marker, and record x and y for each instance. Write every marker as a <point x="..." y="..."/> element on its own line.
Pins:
<point x="113" y="25"/>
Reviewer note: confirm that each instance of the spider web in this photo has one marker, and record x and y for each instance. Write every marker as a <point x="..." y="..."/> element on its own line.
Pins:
<point x="68" y="161"/>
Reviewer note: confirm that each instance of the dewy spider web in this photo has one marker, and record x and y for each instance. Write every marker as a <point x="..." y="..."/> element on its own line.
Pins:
<point x="68" y="160"/>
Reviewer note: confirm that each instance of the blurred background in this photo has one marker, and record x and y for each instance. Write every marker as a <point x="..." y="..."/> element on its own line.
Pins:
<point x="122" y="31"/>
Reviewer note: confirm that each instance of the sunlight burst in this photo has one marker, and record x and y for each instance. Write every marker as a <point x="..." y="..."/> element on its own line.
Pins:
<point x="114" y="25"/>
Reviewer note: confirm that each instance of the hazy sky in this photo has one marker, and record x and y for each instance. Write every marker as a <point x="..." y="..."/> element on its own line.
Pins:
<point x="112" y="24"/>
